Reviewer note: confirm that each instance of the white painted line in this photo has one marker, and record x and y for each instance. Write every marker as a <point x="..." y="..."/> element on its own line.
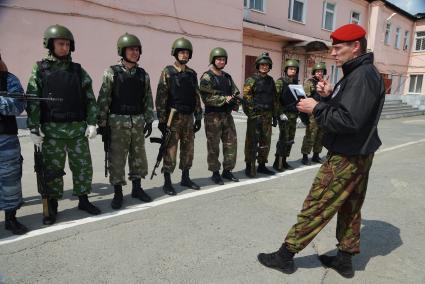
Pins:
<point x="144" y="206"/>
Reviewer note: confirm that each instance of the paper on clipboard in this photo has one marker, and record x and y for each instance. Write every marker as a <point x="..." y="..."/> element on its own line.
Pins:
<point x="297" y="91"/>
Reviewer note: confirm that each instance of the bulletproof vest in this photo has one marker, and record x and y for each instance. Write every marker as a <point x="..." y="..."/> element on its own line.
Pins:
<point x="128" y="91"/>
<point x="314" y="93"/>
<point x="182" y="90"/>
<point x="8" y="124"/>
<point x="67" y="85"/>
<point x="287" y="99"/>
<point x="223" y="84"/>
<point x="264" y="92"/>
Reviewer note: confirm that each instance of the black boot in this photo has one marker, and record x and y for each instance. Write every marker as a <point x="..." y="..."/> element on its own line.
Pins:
<point x="168" y="187"/>
<point x="341" y="263"/>
<point x="316" y="158"/>
<point x="227" y="174"/>
<point x="286" y="165"/>
<point x="305" y="160"/>
<point x="85" y="205"/>
<point x="138" y="192"/>
<point x="282" y="260"/>
<point x="186" y="181"/>
<point x="12" y="224"/>
<point x="52" y="204"/>
<point x="216" y="178"/>
<point x="250" y="170"/>
<point x="116" y="202"/>
<point x="278" y="164"/>
<point x="264" y="170"/>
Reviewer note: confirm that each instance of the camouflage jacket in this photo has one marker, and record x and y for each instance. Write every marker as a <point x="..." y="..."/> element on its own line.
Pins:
<point x="248" y="95"/>
<point x="163" y="93"/>
<point x="64" y="130"/>
<point x="105" y="98"/>
<point x="211" y="96"/>
<point x="310" y="88"/>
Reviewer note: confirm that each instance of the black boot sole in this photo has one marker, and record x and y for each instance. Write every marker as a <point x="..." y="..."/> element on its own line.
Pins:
<point x="91" y="211"/>
<point x="116" y="205"/>
<point x="192" y="186"/>
<point x="217" y="181"/>
<point x="287" y="270"/>
<point x="49" y="221"/>
<point x="327" y="262"/>
<point x="21" y="230"/>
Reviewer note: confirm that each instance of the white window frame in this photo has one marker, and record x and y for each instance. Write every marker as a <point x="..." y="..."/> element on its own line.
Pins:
<point x="325" y="9"/>
<point x="248" y="5"/>
<point x="353" y="20"/>
<point x="291" y="10"/>
<point x="334" y="74"/>
<point x="422" y="39"/>
<point x="387" y="37"/>
<point x="415" y="84"/>
<point x="397" y="38"/>
<point x="406" y="40"/>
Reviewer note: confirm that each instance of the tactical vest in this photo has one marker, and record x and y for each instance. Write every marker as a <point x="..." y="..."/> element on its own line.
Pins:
<point x="128" y="91"/>
<point x="8" y="124"/>
<point x="182" y="90"/>
<point x="223" y="84"/>
<point x="264" y="93"/>
<point x="67" y="85"/>
<point x="314" y="93"/>
<point x="287" y="99"/>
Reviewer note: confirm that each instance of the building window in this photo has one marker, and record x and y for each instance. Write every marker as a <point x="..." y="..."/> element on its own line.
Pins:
<point x="387" y="33"/>
<point x="254" y="4"/>
<point x="397" y="38"/>
<point x="328" y="16"/>
<point x="406" y="40"/>
<point x="334" y="75"/>
<point x="296" y="10"/>
<point x="355" y="17"/>
<point x="415" y="86"/>
<point x="420" y="41"/>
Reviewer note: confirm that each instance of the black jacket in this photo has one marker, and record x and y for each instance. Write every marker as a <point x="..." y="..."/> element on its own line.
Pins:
<point x="349" y="114"/>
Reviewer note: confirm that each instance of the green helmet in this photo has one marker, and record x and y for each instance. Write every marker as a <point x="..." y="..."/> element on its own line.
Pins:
<point x="292" y="63"/>
<point x="263" y="58"/>
<point x="217" y="52"/>
<point x="181" y="44"/>
<point x="127" y="40"/>
<point x="319" y="66"/>
<point x="57" y="31"/>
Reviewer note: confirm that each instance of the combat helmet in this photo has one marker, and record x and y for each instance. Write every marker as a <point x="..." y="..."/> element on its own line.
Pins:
<point x="60" y="32"/>
<point x="217" y="52"/>
<point x="319" y="66"/>
<point x="181" y="44"/>
<point x="263" y="58"/>
<point x="291" y="63"/>
<point x="127" y="40"/>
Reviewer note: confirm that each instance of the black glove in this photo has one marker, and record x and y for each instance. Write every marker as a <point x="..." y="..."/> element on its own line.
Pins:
<point x="274" y="123"/>
<point x="162" y="126"/>
<point x="197" y="125"/>
<point x="147" y="129"/>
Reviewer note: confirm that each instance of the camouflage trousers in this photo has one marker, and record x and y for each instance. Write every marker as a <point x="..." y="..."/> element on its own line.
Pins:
<point x="312" y="138"/>
<point x="339" y="187"/>
<point x="258" y="138"/>
<point x="10" y="172"/>
<point x="220" y="126"/>
<point x="79" y="159"/>
<point x="127" y="142"/>
<point x="181" y="130"/>
<point x="286" y="135"/>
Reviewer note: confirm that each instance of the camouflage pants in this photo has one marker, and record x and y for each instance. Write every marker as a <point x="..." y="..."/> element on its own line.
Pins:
<point x="127" y="142"/>
<point x="258" y="136"/>
<point x="286" y="135"/>
<point x="79" y="159"/>
<point x="313" y="137"/>
<point x="220" y="126"/>
<point x="339" y="187"/>
<point x="181" y="130"/>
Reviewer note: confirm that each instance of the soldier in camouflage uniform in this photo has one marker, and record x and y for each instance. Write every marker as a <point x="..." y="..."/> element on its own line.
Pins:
<point x="10" y="152"/>
<point x="261" y="105"/>
<point x="313" y="133"/>
<point x="178" y="89"/>
<point x="126" y="107"/>
<point x="349" y="116"/>
<point x="63" y="127"/>
<point x="288" y="115"/>
<point x="217" y="89"/>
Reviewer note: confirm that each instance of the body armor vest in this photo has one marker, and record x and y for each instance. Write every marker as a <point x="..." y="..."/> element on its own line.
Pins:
<point x="182" y="91"/>
<point x="223" y="84"/>
<point x="128" y="91"/>
<point x="8" y="124"/>
<point x="264" y="92"/>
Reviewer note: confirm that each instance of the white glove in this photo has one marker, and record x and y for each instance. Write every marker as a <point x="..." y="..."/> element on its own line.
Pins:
<point x="36" y="137"/>
<point x="299" y="120"/>
<point x="91" y="131"/>
<point x="283" y="117"/>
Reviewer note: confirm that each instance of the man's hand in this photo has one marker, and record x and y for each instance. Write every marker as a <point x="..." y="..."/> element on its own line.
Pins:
<point x="36" y="137"/>
<point x="283" y="117"/>
<point x="147" y="129"/>
<point x="90" y="131"/>
<point x="197" y="126"/>
<point x="324" y="87"/>
<point x="229" y="99"/>
<point x="307" y="105"/>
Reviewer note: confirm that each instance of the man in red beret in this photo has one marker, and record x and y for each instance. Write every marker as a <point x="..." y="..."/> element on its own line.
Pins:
<point x="348" y="114"/>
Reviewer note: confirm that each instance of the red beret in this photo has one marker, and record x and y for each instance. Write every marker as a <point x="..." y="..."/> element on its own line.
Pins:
<point x="348" y="33"/>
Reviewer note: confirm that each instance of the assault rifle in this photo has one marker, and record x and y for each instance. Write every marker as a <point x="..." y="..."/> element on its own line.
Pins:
<point x="106" y="139"/>
<point x="28" y="97"/>
<point x="163" y="141"/>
